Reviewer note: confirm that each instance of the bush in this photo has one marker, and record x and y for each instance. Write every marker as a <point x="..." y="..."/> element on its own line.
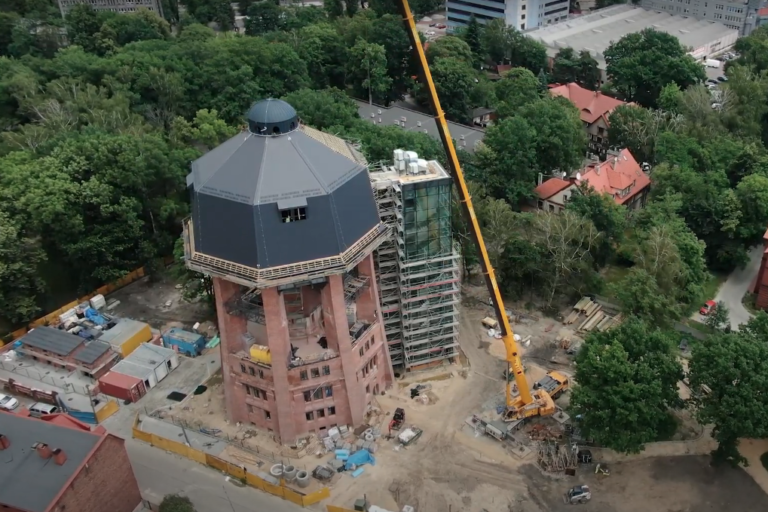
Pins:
<point x="176" y="503"/>
<point x="764" y="460"/>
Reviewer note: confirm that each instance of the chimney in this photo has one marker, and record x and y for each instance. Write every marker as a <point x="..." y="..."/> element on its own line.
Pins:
<point x="59" y="457"/>
<point x="4" y="442"/>
<point x="43" y="450"/>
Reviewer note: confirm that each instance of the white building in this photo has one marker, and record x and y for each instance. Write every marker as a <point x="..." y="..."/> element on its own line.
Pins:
<point x="596" y="31"/>
<point x="521" y="14"/>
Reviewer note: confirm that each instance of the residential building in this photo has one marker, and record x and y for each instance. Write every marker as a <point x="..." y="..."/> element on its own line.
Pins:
<point x="760" y="286"/>
<point x="595" y="108"/>
<point x="483" y="117"/>
<point x="759" y="19"/>
<point x="120" y="6"/>
<point x="418" y="268"/>
<point x="58" y="464"/>
<point x="621" y="177"/>
<point x="466" y="137"/>
<point x="285" y="222"/>
<point x="735" y="14"/>
<point x="520" y="14"/>
<point x="596" y="31"/>
<point x="60" y="349"/>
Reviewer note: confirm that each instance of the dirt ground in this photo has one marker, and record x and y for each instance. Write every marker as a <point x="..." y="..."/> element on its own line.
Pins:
<point x="159" y="302"/>
<point x="453" y="468"/>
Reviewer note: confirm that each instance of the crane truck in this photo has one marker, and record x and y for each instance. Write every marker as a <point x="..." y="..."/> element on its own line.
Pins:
<point x="525" y="403"/>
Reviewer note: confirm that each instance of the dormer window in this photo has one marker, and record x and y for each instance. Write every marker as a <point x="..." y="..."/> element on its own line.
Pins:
<point x="293" y="214"/>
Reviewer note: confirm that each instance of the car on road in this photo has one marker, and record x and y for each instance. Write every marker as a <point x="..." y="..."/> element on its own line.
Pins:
<point x="440" y="25"/>
<point x="8" y="403"/>
<point x="433" y="24"/>
<point x="708" y="308"/>
<point x="722" y="78"/>
<point x="430" y="32"/>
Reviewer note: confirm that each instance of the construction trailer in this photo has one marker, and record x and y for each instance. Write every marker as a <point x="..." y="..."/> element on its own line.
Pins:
<point x="127" y="335"/>
<point x="417" y="268"/>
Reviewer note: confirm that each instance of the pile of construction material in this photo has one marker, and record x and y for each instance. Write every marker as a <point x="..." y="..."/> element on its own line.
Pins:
<point x="341" y="438"/>
<point x="554" y="457"/>
<point x="591" y="316"/>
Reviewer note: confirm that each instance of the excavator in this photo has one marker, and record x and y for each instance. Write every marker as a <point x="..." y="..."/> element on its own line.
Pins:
<point x="525" y="402"/>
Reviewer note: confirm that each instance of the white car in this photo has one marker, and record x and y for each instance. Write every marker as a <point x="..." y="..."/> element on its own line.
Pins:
<point x="430" y="32"/>
<point x="8" y="402"/>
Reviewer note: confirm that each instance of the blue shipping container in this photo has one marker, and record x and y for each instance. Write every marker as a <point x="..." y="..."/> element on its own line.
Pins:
<point x="188" y="343"/>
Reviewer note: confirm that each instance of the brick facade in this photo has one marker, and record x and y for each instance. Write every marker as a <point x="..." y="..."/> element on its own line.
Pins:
<point x="293" y="399"/>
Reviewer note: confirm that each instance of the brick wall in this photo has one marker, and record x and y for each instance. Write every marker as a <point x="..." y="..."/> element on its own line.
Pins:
<point x="106" y="483"/>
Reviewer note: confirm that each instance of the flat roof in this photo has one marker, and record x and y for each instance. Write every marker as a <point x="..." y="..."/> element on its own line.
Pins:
<point x="150" y="355"/>
<point x="596" y="31"/>
<point x="138" y="371"/>
<point x="123" y="331"/>
<point x="92" y="351"/>
<point x="30" y="482"/>
<point x="52" y="340"/>
<point x="466" y="137"/>
<point x="119" y="380"/>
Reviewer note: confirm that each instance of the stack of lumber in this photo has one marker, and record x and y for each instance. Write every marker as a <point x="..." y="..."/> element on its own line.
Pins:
<point x="591" y="316"/>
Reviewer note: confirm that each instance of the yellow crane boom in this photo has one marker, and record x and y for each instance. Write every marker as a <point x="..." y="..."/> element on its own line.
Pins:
<point x="525" y="397"/>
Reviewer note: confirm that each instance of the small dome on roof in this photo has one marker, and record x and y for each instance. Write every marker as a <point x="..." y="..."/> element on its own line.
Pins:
<point x="272" y="117"/>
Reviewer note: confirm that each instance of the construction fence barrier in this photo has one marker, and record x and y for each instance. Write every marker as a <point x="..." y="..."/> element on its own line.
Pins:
<point x="53" y="317"/>
<point x="233" y="470"/>
<point x="334" y="508"/>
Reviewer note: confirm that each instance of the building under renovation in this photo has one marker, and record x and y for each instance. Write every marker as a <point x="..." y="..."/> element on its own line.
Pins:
<point x="285" y="221"/>
<point x="418" y="267"/>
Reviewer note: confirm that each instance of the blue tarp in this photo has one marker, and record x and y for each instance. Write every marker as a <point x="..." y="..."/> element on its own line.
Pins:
<point x="94" y="316"/>
<point x="359" y="458"/>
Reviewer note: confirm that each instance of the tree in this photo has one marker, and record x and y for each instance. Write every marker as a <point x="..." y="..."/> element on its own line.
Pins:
<point x="640" y="295"/>
<point x="19" y="280"/>
<point x="609" y="218"/>
<point x="325" y="110"/>
<point x="639" y="65"/>
<point x="719" y="319"/>
<point x="507" y="45"/>
<point x="627" y="382"/>
<point x="216" y="11"/>
<point x="334" y="8"/>
<point x="517" y="88"/>
<point x="637" y="129"/>
<point x="671" y="97"/>
<point x="264" y="16"/>
<point x="473" y="37"/>
<point x="83" y="23"/>
<point x="176" y="503"/>
<point x="449" y="46"/>
<point x="727" y="373"/>
<point x="582" y="68"/>
<point x="322" y="49"/>
<point x="567" y="240"/>
<point x="454" y="81"/>
<point x="367" y="70"/>
<point x="351" y="7"/>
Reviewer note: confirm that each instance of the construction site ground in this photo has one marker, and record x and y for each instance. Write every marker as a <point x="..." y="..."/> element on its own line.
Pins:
<point x="454" y="467"/>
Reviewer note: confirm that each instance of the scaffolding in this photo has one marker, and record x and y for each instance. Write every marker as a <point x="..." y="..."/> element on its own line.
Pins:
<point x="417" y="268"/>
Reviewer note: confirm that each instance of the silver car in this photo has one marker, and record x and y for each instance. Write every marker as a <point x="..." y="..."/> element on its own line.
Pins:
<point x="8" y="403"/>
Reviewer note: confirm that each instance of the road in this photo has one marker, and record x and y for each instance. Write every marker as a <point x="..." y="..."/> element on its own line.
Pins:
<point x="735" y="287"/>
<point x="160" y="473"/>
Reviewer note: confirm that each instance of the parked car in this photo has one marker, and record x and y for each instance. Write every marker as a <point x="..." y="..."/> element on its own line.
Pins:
<point x="722" y="78"/>
<point x="708" y="308"/>
<point x="433" y="24"/>
<point x="8" y="403"/>
<point x="440" y="25"/>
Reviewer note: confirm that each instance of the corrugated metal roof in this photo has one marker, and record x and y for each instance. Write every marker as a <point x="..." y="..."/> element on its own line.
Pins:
<point x="123" y="331"/>
<point x="30" y="482"/>
<point x="150" y="355"/>
<point x="133" y="369"/>
<point x="238" y="189"/>
<point x="92" y="351"/>
<point x="119" y="380"/>
<point x="52" y="340"/>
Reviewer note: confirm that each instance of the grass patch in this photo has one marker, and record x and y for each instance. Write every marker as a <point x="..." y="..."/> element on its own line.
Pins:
<point x="764" y="460"/>
<point x="703" y="328"/>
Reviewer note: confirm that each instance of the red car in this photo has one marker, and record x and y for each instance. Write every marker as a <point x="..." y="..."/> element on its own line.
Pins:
<point x="709" y="307"/>
<point x="440" y="25"/>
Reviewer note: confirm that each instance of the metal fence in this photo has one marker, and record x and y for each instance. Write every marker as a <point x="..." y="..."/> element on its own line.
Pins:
<point x="50" y="377"/>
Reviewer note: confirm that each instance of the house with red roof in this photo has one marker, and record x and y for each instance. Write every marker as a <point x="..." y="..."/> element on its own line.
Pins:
<point x="620" y="176"/>
<point x="595" y="108"/>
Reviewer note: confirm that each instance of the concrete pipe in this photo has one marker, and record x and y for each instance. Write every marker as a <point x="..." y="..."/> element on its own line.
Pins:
<point x="289" y="473"/>
<point x="302" y="479"/>
<point x="368" y="431"/>
<point x="276" y="470"/>
<point x="369" y="437"/>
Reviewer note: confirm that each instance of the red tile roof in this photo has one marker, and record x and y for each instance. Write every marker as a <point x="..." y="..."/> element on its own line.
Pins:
<point x="616" y="174"/>
<point x="592" y="105"/>
<point x="763" y="11"/>
<point x="551" y="187"/>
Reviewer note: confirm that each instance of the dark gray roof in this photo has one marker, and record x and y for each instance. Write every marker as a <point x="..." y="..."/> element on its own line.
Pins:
<point x="271" y="111"/>
<point x="30" y="482"/>
<point x="418" y="122"/>
<point x="92" y="351"/>
<point x="240" y="187"/>
<point x="52" y="340"/>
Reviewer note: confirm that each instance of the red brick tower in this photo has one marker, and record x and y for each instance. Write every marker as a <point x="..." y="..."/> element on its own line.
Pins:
<point x="286" y="226"/>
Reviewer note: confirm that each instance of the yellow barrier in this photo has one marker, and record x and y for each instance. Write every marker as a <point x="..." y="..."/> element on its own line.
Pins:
<point x="234" y="470"/>
<point x="108" y="410"/>
<point x="53" y="317"/>
<point x="334" y="508"/>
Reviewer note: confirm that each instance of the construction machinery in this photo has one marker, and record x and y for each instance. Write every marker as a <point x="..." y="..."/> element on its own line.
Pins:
<point x="578" y="495"/>
<point x="524" y="403"/>
<point x="397" y="420"/>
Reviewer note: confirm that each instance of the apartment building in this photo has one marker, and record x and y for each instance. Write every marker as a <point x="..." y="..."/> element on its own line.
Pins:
<point x="739" y="15"/>
<point x="119" y="6"/>
<point x="520" y="14"/>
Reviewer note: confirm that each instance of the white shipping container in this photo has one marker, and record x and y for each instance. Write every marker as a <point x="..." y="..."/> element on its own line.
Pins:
<point x="398" y="155"/>
<point x="68" y="316"/>
<point x="98" y="301"/>
<point x="411" y="156"/>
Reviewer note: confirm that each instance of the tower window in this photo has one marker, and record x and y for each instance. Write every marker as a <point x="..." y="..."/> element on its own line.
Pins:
<point x="293" y="214"/>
